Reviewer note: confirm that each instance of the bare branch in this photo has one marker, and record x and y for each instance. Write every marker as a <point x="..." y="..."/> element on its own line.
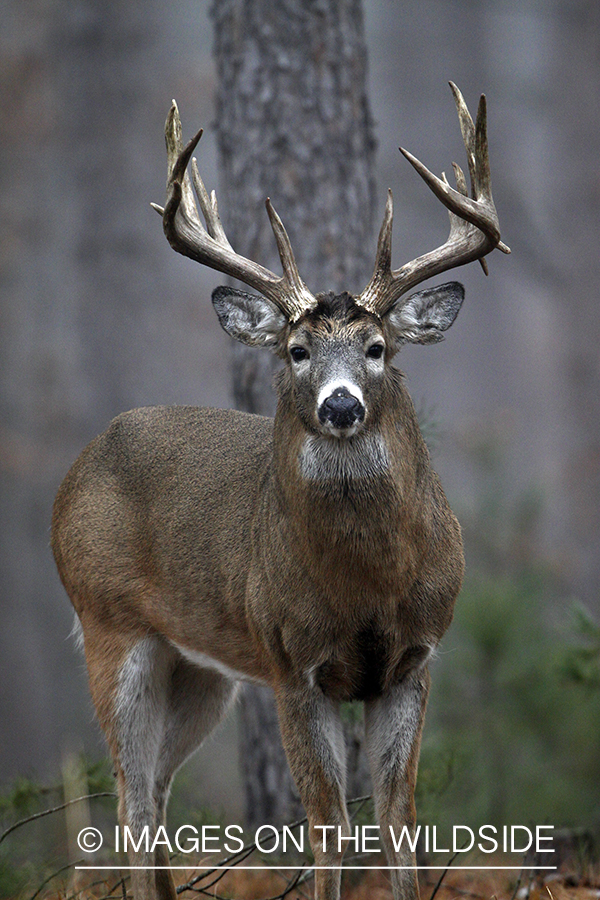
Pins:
<point x="55" y="875"/>
<point x="54" y="809"/>
<point x="247" y="850"/>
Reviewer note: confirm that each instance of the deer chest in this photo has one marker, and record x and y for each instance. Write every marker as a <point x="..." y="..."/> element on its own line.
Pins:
<point x="368" y="665"/>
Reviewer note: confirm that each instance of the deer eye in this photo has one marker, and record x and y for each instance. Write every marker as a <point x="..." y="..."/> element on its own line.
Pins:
<point x="298" y="353"/>
<point x="375" y="351"/>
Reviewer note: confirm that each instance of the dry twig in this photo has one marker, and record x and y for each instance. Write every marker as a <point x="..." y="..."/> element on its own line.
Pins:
<point x="54" y="809"/>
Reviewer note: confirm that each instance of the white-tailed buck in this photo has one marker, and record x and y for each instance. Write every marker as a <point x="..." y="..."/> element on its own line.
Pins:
<point x="315" y="552"/>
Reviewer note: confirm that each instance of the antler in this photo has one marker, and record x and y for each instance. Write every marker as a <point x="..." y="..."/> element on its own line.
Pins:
<point x="209" y="245"/>
<point x="474" y="227"/>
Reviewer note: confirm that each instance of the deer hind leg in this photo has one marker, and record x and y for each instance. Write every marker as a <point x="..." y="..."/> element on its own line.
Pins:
<point x="313" y="740"/>
<point x="197" y="702"/>
<point x="155" y="711"/>
<point x="393" y="726"/>
<point x="129" y="674"/>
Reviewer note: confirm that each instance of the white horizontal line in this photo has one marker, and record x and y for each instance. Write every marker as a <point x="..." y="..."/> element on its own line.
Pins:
<point x="342" y="868"/>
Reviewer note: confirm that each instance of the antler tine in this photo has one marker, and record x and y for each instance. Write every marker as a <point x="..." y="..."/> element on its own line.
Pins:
<point x="284" y="246"/>
<point x="474" y="227"/>
<point x="384" y="243"/>
<point x="382" y="274"/>
<point x="461" y="186"/>
<point x="210" y="210"/>
<point x="467" y="129"/>
<point x="209" y="245"/>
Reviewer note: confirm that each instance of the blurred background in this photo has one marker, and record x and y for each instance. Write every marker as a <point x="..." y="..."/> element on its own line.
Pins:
<point x="98" y="315"/>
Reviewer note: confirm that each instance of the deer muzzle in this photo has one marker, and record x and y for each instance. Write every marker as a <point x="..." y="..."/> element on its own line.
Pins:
<point x="341" y="413"/>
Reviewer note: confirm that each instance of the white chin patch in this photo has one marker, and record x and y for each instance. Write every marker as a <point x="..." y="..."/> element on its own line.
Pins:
<point x="340" y="433"/>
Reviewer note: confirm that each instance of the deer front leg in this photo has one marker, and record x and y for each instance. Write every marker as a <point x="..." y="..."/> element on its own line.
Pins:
<point x="393" y="725"/>
<point x="313" y="739"/>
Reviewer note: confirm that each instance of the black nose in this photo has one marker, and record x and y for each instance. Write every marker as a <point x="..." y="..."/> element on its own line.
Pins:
<point x="341" y="409"/>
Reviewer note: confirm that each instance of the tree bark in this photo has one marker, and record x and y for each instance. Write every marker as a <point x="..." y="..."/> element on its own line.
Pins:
<point x="293" y="123"/>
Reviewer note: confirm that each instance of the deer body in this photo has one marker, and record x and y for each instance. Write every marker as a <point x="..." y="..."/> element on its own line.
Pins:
<point x="315" y="552"/>
<point x="207" y="560"/>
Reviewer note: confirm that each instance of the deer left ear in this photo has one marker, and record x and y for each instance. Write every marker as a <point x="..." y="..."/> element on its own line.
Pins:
<point x="423" y="317"/>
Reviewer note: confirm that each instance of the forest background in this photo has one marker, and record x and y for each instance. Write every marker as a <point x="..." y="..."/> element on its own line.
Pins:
<point x="99" y="315"/>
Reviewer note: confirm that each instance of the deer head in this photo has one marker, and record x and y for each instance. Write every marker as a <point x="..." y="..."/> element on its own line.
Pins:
<point x="337" y="360"/>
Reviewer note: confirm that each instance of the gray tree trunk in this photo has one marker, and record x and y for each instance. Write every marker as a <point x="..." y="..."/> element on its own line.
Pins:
<point x="293" y="123"/>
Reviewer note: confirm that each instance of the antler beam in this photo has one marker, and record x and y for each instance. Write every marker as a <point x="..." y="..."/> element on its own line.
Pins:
<point x="209" y="245"/>
<point x="474" y="227"/>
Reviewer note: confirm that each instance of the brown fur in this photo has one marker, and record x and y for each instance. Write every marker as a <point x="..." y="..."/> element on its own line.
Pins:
<point x="199" y="526"/>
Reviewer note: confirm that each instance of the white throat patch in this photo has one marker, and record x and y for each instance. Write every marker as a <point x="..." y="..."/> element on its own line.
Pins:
<point x="359" y="458"/>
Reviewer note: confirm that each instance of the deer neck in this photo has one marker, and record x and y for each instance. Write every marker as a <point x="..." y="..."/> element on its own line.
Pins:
<point x="353" y="496"/>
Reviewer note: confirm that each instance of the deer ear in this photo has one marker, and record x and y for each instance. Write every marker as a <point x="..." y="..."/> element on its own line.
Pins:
<point x="423" y="317"/>
<point x="247" y="317"/>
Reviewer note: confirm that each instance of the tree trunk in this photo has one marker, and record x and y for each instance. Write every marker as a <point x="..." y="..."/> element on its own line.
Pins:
<point x="293" y="123"/>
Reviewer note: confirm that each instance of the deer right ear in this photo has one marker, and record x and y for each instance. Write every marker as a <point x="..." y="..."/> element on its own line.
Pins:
<point x="248" y="318"/>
